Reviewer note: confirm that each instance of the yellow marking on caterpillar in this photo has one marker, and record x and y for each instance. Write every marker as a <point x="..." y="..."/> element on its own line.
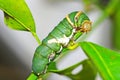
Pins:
<point x="68" y="19"/>
<point x="78" y="14"/>
<point x="72" y="45"/>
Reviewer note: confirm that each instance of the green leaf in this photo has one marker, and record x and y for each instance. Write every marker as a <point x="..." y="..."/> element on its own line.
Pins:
<point x="32" y="77"/>
<point x="18" y="16"/>
<point x="88" y="71"/>
<point x="12" y="23"/>
<point x="106" y="61"/>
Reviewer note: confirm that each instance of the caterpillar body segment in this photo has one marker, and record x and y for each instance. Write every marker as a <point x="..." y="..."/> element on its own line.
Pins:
<point x="69" y="29"/>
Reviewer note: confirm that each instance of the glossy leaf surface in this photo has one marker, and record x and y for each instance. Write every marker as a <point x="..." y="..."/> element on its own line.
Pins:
<point x="106" y="61"/>
<point x="17" y="15"/>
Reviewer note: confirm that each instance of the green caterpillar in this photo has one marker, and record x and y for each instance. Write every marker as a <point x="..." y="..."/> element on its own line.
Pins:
<point x="66" y="32"/>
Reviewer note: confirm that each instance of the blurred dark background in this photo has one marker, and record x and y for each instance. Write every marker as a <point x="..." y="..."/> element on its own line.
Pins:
<point x="11" y="68"/>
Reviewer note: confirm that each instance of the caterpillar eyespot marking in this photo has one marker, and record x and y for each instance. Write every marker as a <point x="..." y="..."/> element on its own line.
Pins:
<point x="59" y="38"/>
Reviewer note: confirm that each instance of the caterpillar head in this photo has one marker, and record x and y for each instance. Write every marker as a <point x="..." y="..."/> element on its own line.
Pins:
<point x="84" y="27"/>
<point x="80" y="22"/>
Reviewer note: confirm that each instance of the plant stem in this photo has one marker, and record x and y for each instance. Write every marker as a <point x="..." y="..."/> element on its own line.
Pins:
<point x="36" y="37"/>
